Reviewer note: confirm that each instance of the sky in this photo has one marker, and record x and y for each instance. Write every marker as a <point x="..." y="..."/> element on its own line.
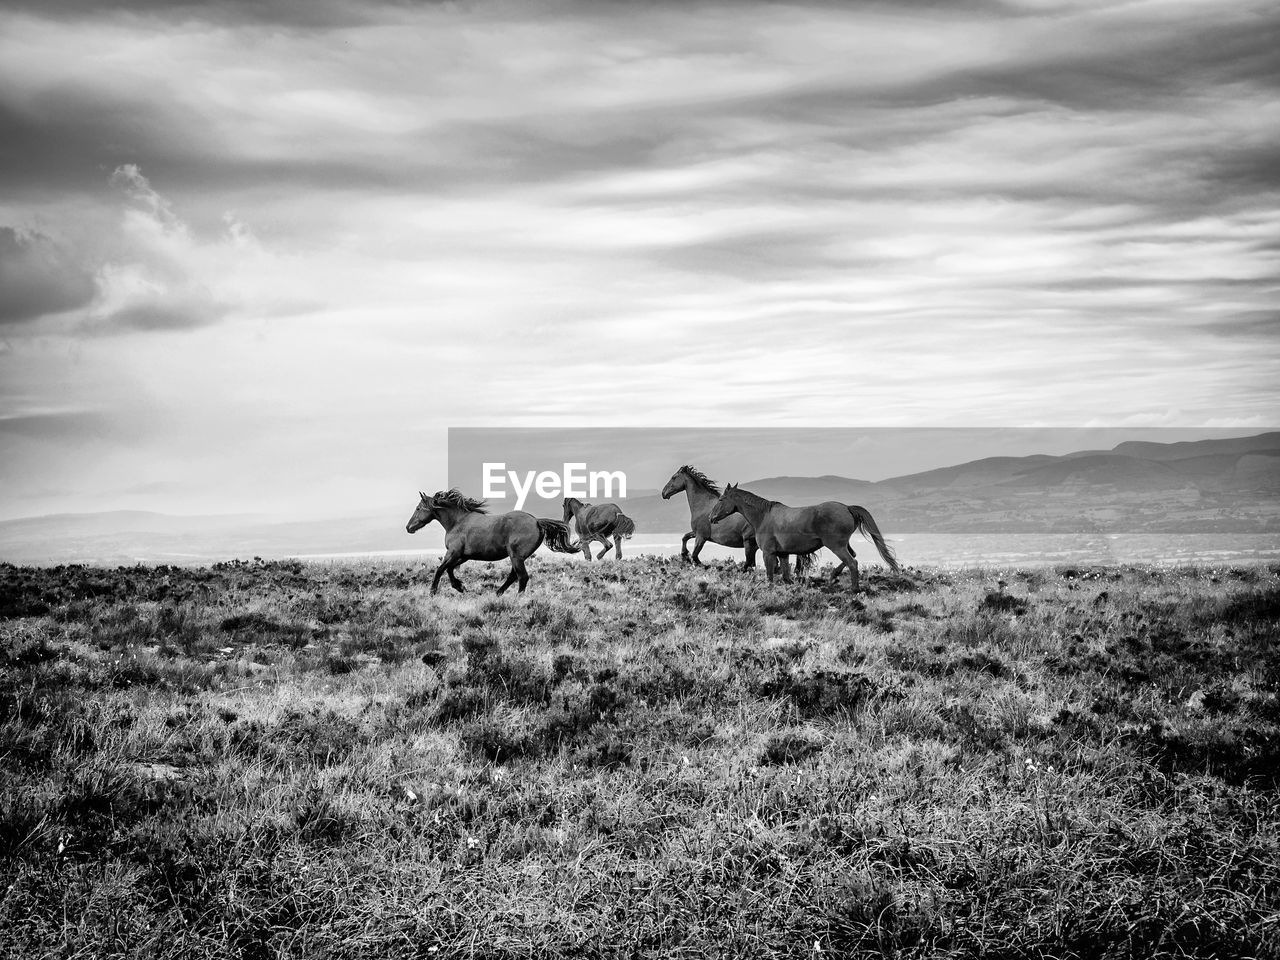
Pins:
<point x="259" y="257"/>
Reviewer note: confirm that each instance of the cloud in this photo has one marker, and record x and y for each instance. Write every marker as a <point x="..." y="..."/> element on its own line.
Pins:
<point x="315" y="235"/>
<point x="63" y="426"/>
<point x="38" y="278"/>
<point x="163" y="279"/>
<point x="287" y="13"/>
<point x="166" y="310"/>
<point x="130" y="262"/>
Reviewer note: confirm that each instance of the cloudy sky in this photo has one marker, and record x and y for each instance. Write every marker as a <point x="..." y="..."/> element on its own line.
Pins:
<point x="260" y="256"/>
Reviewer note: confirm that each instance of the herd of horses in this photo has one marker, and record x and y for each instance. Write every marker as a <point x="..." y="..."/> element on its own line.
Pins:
<point x="731" y="517"/>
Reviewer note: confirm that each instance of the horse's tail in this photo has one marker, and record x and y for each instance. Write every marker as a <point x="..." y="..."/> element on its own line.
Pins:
<point x="624" y="527"/>
<point x="869" y="529"/>
<point x="556" y="533"/>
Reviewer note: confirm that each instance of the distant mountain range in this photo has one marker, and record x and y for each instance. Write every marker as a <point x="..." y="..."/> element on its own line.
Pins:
<point x="1205" y="486"/>
<point x="1201" y="486"/>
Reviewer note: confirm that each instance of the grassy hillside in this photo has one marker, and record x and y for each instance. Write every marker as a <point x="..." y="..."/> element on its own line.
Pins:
<point x="639" y="759"/>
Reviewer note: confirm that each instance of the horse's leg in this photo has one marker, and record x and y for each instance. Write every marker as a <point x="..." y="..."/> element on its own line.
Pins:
<point x="517" y="564"/>
<point x="511" y="578"/>
<point x="517" y="569"/>
<point x="784" y="560"/>
<point x="751" y="546"/>
<point x="850" y="559"/>
<point x="684" y="546"/>
<point x="697" y="549"/>
<point x="835" y="574"/>
<point x="617" y="547"/>
<point x="586" y="544"/>
<point x="770" y="562"/>
<point x="440" y="571"/>
<point x="605" y="549"/>
<point x="453" y="576"/>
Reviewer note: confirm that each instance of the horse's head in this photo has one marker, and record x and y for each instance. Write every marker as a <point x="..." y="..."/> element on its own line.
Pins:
<point x="422" y="515"/>
<point x="728" y="504"/>
<point x="674" y="485"/>
<point x="571" y="506"/>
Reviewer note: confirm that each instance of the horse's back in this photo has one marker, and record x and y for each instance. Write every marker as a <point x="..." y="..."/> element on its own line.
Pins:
<point x="602" y="514"/>
<point x="519" y="523"/>
<point x="832" y="511"/>
<point x="802" y="529"/>
<point x="491" y="537"/>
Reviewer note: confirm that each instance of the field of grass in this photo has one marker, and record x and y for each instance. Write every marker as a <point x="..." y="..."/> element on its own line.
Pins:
<point x="638" y="759"/>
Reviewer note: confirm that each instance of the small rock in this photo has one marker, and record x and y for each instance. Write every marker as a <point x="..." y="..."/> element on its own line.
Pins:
<point x="157" y="771"/>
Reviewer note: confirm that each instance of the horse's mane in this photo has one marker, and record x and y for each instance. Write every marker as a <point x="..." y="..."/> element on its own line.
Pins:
<point x="700" y="478"/>
<point x="755" y="499"/>
<point x="456" y="498"/>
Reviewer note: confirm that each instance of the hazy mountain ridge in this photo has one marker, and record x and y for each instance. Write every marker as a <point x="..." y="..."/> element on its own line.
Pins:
<point x="1198" y="486"/>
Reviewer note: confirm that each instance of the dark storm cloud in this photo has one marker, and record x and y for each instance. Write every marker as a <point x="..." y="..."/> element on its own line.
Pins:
<point x="37" y="278"/>
<point x="71" y="134"/>
<point x="1250" y="167"/>
<point x="1248" y="323"/>
<point x="56" y="426"/>
<point x="74" y="136"/>
<point x="78" y="137"/>
<point x="288" y="13"/>
<point x="1126" y="66"/>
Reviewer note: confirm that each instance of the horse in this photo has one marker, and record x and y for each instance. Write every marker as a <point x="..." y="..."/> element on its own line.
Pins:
<point x="702" y="494"/>
<point x="599" y="522"/>
<point x="471" y="534"/>
<point x="781" y="530"/>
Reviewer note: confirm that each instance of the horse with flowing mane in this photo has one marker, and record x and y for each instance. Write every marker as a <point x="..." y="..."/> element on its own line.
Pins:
<point x="782" y="530"/>
<point x="599" y="521"/>
<point x="471" y="534"/>
<point x="702" y="493"/>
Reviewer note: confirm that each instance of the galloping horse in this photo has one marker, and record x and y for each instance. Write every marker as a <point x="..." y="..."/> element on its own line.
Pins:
<point x="599" y="522"/>
<point x="702" y="495"/>
<point x="782" y="530"/>
<point x="470" y="534"/>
